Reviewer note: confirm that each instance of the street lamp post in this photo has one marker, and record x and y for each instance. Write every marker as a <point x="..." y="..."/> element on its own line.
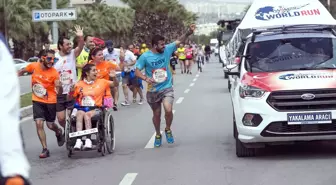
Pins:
<point x="54" y="24"/>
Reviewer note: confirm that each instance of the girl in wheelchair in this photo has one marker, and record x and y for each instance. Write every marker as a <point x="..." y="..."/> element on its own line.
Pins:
<point x="89" y="93"/>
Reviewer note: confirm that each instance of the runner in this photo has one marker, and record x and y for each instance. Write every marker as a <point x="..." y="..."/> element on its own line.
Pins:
<point x="66" y="67"/>
<point x="45" y="80"/>
<point x="114" y="55"/>
<point x="189" y="58"/>
<point x="104" y="70"/>
<point x="14" y="166"/>
<point x="136" y="85"/>
<point x="207" y="50"/>
<point x="160" y="90"/>
<point x="128" y="75"/>
<point x="143" y="49"/>
<point x="182" y="58"/>
<point x="82" y="59"/>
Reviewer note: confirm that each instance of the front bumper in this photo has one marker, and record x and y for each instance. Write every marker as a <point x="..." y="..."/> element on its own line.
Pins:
<point x="274" y="126"/>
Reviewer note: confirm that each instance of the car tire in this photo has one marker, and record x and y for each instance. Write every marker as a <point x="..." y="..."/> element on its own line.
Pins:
<point x="226" y="76"/>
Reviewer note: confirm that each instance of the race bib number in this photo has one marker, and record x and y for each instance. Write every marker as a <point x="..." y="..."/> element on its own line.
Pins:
<point x="39" y="90"/>
<point x="66" y="78"/>
<point x="87" y="101"/>
<point x="160" y="75"/>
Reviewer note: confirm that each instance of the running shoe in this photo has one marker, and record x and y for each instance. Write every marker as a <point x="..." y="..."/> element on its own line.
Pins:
<point x="169" y="136"/>
<point x="158" y="140"/>
<point x="60" y="138"/>
<point x="45" y="153"/>
<point x="125" y="103"/>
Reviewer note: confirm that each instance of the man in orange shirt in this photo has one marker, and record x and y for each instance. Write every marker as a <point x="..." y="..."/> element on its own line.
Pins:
<point x="45" y="85"/>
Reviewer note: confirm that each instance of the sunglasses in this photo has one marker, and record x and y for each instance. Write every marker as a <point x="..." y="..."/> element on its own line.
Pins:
<point x="50" y="59"/>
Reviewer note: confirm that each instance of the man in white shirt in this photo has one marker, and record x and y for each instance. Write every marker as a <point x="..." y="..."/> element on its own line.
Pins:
<point x="128" y="74"/>
<point x="66" y="67"/>
<point x="14" y="166"/>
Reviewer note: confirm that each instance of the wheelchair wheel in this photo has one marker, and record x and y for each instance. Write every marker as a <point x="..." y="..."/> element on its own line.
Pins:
<point x="109" y="132"/>
<point x="67" y="131"/>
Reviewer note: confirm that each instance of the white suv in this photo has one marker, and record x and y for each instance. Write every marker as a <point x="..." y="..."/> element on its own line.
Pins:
<point x="285" y="90"/>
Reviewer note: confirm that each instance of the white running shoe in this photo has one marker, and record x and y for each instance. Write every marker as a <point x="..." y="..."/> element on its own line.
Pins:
<point x="88" y="144"/>
<point x="78" y="145"/>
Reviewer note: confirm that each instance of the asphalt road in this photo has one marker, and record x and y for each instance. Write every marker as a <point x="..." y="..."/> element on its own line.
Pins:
<point x="25" y="84"/>
<point x="204" y="152"/>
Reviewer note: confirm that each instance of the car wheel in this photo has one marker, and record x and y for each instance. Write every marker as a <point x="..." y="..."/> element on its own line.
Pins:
<point x="241" y="150"/>
<point x="226" y="76"/>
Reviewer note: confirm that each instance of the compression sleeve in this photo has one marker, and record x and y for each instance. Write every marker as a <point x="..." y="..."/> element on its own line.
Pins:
<point x="13" y="160"/>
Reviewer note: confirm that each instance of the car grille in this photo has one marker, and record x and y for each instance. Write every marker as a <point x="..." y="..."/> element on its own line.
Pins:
<point x="282" y="129"/>
<point x="325" y="99"/>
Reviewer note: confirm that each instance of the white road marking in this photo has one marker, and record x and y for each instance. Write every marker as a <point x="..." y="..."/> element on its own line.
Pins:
<point x="186" y="91"/>
<point x="150" y="143"/>
<point x="197" y="74"/>
<point x="194" y="80"/>
<point x="192" y="84"/>
<point x="179" y="100"/>
<point x="128" y="179"/>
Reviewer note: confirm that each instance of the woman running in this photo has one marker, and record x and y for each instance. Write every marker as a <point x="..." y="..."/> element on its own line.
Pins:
<point x="182" y="58"/>
<point x="189" y="58"/>
<point x="89" y="93"/>
<point x="104" y="68"/>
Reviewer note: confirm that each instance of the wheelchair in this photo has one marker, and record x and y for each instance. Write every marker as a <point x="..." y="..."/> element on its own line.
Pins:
<point x="102" y="128"/>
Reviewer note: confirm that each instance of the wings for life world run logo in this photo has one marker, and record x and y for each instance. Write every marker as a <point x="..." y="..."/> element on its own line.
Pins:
<point x="306" y="76"/>
<point x="270" y="13"/>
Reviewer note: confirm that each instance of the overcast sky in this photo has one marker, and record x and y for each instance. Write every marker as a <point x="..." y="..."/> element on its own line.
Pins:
<point x="118" y="2"/>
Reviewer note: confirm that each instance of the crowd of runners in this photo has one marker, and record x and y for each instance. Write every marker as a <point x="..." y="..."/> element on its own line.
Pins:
<point x="89" y="72"/>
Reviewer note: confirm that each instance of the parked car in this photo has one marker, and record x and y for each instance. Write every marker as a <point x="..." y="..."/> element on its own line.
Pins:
<point x="20" y="64"/>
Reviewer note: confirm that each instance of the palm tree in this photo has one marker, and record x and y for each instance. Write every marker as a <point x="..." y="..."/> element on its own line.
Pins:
<point x="165" y="17"/>
<point x="139" y="22"/>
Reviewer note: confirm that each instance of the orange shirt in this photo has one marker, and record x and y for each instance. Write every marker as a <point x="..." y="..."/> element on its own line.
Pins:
<point x="43" y="83"/>
<point x="104" y="68"/>
<point x="91" y="94"/>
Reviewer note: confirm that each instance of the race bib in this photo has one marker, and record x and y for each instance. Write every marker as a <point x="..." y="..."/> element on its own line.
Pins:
<point x="87" y="101"/>
<point x="160" y="75"/>
<point x="39" y="90"/>
<point x="65" y="78"/>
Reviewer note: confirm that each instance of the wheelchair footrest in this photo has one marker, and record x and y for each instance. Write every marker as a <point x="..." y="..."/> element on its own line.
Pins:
<point x="83" y="132"/>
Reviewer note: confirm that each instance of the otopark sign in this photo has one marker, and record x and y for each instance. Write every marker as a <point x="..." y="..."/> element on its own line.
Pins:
<point x="68" y="14"/>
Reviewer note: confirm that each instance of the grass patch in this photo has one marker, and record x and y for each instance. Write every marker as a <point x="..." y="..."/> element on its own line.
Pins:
<point x="26" y="100"/>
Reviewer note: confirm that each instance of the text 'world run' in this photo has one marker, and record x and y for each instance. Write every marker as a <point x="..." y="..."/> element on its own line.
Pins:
<point x="294" y="14"/>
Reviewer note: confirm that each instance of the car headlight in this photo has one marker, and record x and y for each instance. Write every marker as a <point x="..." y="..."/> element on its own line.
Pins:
<point x="250" y="91"/>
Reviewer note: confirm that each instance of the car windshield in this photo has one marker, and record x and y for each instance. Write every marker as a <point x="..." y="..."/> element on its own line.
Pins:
<point x="291" y="54"/>
<point x="213" y="44"/>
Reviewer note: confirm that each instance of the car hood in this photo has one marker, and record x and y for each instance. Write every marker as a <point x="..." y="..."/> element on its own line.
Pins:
<point x="291" y="80"/>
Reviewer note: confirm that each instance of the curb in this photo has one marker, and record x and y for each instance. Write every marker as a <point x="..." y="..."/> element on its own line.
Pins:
<point x="26" y="111"/>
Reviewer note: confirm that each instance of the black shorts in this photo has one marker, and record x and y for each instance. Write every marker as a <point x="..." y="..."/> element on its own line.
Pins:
<point x="127" y="80"/>
<point x="63" y="104"/>
<point x="44" y="111"/>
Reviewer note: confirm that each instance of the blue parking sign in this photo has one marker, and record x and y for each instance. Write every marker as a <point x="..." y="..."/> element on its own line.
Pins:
<point x="37" y="16"/>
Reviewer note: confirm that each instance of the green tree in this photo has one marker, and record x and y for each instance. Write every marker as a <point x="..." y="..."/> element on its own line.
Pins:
<point x="139" y="22"/>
